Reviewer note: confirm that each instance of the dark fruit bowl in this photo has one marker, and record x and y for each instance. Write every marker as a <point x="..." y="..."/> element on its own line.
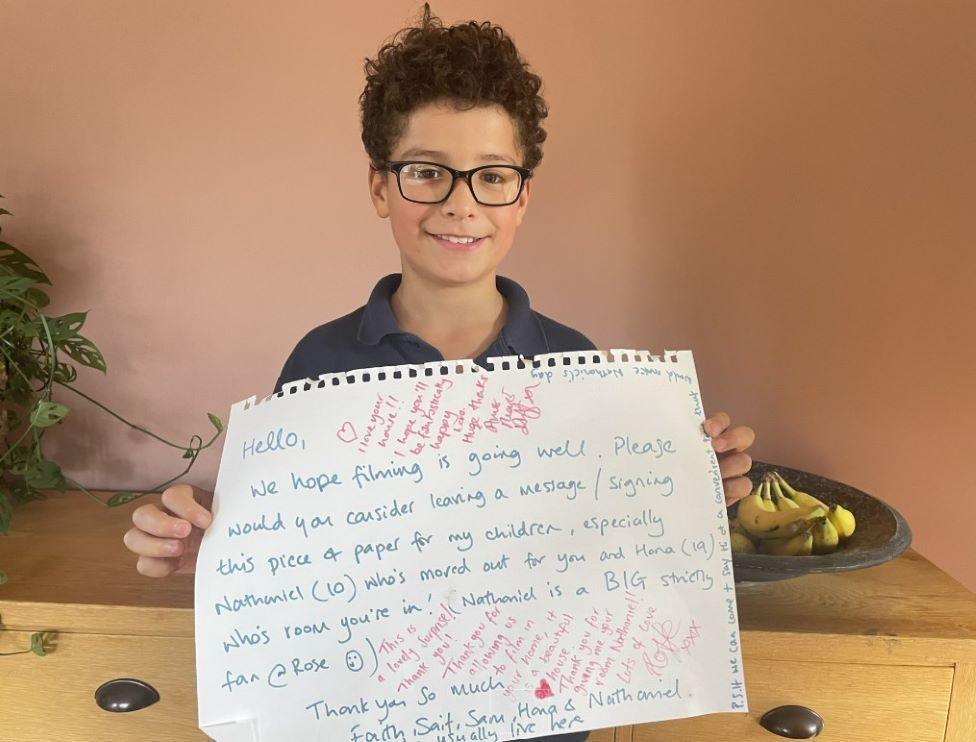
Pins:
<point x="881" y="532"/>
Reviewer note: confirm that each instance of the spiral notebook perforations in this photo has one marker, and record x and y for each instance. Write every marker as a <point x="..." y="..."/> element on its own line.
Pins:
<point x="467" y="366"/>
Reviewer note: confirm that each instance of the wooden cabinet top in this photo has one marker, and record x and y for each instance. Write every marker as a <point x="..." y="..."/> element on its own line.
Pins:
<point x="67" y="566"/>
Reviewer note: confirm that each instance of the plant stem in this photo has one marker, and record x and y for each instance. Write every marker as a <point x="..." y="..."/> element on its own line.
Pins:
<point x="153" y="490"/>
<point x="196" y="452"/>
<point x="92" y="495"/>
<point x="95" y="402"/>
<point x="113" y="414"/>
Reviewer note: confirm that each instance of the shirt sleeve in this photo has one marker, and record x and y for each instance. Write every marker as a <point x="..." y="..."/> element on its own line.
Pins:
<point x="288" y="372"/>
<point x="587" y="343"/>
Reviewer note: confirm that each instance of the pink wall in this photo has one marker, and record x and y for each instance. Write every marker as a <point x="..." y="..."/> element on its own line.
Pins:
<point x="780" y="187"/>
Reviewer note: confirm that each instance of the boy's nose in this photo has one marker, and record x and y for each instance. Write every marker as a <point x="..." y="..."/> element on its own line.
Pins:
<point x="461" y="197"/>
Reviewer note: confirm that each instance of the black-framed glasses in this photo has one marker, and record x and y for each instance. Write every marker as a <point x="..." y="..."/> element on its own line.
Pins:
<point x="431" y="182"/>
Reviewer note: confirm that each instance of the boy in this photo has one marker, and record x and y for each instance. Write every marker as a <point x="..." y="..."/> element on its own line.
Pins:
<point x="451" y="125"/>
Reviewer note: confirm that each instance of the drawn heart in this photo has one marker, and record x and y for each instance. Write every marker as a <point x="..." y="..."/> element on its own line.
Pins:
<point x="543" y="691"/>
<point x="347" y="433"/>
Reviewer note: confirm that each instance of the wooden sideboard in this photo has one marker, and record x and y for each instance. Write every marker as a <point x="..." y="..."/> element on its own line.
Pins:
<point x="882" y="654"/>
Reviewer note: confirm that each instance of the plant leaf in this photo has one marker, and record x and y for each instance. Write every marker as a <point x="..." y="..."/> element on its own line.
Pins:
<point x="17" y="464"/>
<point x="48" y="413"/>
<point x="37" y="644"/>
<point x="21" y="264"/>
<point x="32" y="328"/>
<point x="45" y="474"/>
<point x="121" y="498"/>
<point x="39" y="641"/>
<point x="216" y="422"/>
<point x="16" y="284"/>
<point x="65" y="372"/>
<point x="84" y="351"/>
<point x="3" y="577"/>
<point x="37" y="297"/>
<point x="66" y="326"/>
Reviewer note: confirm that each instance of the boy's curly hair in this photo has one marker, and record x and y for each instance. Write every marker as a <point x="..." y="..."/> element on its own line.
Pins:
<point x="466" y="65"/>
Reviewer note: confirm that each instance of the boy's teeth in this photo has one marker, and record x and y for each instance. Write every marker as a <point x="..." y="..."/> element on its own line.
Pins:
<point x="458" y="240"/>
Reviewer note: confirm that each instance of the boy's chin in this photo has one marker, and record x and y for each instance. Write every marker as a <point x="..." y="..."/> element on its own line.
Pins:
<point x="472" y="272"/>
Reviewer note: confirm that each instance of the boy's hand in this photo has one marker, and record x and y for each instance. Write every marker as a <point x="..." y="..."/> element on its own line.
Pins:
<point x="167" y="540"/>
<point x="730" y="444"/>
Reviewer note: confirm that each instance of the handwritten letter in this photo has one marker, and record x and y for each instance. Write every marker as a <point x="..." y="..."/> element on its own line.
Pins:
<point x="439" y="552"/>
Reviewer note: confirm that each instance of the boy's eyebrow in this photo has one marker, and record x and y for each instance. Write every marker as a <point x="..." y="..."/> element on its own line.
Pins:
<point x="434" y="153"/>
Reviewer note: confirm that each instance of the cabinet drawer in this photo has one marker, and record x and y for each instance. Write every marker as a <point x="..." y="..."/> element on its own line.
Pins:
<point x="53" y="697"/>
<point x="858" y="703"/>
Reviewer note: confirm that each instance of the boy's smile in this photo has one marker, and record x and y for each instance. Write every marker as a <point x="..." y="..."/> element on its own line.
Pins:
<point x="457" y="242"/>
<point x="431" y="237"/>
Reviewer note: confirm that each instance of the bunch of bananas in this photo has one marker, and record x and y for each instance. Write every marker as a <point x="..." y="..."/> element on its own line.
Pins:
<point x="777" y="519"/>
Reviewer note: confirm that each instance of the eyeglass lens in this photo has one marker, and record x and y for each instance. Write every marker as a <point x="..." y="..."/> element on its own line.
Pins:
<point x="430" y="183"/>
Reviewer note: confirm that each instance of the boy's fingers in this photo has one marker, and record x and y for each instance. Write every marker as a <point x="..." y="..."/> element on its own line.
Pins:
<point x="740" y="437"/>
<point x="154" y="521"/>
<point x="155" y="567"/>
<point x="735" y="465"/>
<point x="715" y="424"/>
<point x="182" y="500"/>
<point x="145" y="545"/>
<point x="736" y="489"/>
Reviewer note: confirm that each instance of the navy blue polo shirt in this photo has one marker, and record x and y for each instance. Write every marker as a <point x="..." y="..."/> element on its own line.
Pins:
<point x="370" y="336"/>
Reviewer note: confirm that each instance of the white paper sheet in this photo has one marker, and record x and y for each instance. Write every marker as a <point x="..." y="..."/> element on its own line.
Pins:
<point x="439" y="552"/>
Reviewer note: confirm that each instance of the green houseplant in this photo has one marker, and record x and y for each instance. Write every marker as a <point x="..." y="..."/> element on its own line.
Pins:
<point x="35" y="356"/>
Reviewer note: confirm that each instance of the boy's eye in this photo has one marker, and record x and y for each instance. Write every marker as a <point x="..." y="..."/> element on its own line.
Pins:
<point x="499" y="179"/>
<point x="423" y="173"/>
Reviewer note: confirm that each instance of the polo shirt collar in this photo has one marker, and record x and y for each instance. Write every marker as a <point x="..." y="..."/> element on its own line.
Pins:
<point x="522" y="333"/>
<point x="378" y="321"/>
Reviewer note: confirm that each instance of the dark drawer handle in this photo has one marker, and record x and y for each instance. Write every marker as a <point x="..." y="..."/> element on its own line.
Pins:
<point x="125" y="694"/>
<point x="794" y="722"/>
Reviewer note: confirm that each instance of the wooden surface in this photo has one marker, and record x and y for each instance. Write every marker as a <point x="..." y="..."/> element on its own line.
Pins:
<point x="962" y="708"/>
<point x="907" y="596"/>
<point x="884" y="653"/>
<point x="102" y="571"/>
<point x="859" y="703"/>
<point x="51" y="698"/>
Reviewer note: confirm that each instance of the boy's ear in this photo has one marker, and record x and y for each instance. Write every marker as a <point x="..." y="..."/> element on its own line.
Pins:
<point x="378" y="191"/>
